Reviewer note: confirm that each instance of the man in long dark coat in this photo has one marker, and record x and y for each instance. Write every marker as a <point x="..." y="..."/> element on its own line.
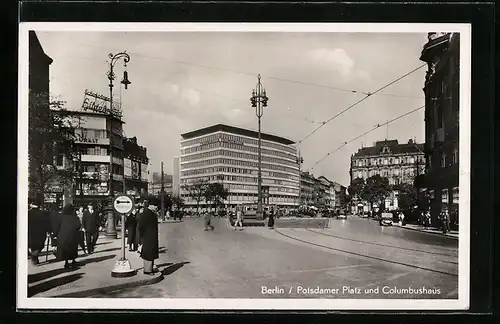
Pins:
<point x="131" y="225"/>
<point x="67" y="243"/>
<point x="90" y="223"/>
<point x="38" y="227"/>
<point x="148" y="229"/>
<point x="270" y="222"/>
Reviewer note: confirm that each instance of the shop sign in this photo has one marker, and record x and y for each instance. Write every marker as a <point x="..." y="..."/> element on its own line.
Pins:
<point x="88" y="140"/>
<point x="100" y="104"/>
<point x="50" y="198"/>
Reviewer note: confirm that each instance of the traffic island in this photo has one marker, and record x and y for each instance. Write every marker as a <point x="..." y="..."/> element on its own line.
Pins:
<point x="91" y="276"/>
<point x="299" y="222"/>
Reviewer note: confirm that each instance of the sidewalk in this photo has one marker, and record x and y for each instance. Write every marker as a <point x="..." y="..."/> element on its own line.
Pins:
<point x="93" y="275"/>
<point x="432" y="230"/>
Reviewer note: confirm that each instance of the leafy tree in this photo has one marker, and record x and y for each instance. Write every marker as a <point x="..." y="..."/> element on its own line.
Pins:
<point x="51" y="134"/>
<point x="377" y="188"/>
<point x="196" y="191"/>
<point x="356" y="188"/>
<point x="407" y="196"/>
<point x="216" y="194"/>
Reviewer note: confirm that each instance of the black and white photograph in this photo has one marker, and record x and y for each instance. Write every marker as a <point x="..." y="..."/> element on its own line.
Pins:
<point x="244" y="166"/>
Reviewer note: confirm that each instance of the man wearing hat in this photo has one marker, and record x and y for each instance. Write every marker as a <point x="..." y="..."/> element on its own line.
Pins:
<point x="148" y="229"/>
<point x="90" y="223"/>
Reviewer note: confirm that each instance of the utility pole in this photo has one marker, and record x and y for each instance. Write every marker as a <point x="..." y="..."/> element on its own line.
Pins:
<point x="162" y="195"/>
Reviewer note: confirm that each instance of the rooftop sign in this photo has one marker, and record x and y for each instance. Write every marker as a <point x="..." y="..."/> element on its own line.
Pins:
<point x="100" y="104"/>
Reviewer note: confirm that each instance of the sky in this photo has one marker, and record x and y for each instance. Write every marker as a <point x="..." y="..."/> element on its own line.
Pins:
<point x="182" y="81"/>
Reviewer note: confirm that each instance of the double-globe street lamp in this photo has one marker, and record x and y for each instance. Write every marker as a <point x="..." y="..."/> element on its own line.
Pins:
<point x="259" y="101"/>
<point x="110" y="229"/>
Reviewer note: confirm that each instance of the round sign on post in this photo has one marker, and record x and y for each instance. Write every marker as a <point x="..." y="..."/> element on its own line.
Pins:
<point x="123" y="204"/>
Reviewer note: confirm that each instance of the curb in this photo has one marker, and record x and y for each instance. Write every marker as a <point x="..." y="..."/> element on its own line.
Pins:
<point x="440" y="234"/>
<point x="108" y="289"/>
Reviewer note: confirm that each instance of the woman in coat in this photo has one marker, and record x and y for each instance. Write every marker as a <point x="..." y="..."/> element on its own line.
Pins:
<point x="148" y="229"/>
<point x="131" y="225"/>
<point x="68" y="237"/>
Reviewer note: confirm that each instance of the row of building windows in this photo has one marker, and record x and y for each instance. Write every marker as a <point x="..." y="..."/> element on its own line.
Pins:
<point x="248" y="198"/>
<point x="238" y="170"/>
<point x="236" y="155"/>
<point x="234" y="187"/>
<point x="237" y="146"/>
<point x="237" y="139"/>
<point x="410" y="172"/>
<point x="92" y="133"/>
<point x="388" y="161"/>
<point x="239" y="163"/>
<point x="218" y="178"/>
<point x="97" y="150"/>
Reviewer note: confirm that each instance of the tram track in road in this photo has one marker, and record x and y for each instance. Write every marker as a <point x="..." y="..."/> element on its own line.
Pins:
<point x="365" y="255"/>
<point x="384" y="245"/>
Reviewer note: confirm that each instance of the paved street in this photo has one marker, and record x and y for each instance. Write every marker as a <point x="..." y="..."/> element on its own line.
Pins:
<point x="343" y="261"/>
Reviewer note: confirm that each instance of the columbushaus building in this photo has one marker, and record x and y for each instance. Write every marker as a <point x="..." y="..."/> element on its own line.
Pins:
<point x="229" y="155"/>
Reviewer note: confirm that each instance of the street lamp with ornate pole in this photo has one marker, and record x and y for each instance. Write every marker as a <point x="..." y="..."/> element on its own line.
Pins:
<point x="110" y="229"/>
<point x="259" y="101"/>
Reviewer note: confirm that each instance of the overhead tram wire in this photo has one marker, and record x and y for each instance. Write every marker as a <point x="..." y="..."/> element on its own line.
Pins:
<point x="267" y="77"/>
<point x="369" y="94"/>
<point x="365" y="133"/>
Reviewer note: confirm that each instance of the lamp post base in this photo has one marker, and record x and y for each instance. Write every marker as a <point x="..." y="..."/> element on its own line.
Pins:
<point x="110" y="228"/>
<point x="122" y="269"/>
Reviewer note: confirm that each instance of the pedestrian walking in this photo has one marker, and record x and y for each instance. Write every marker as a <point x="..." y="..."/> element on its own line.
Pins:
<point x="447" y="220"/>
<point x="81" y="232"/>
<point x="67" y="245"/>
<point x="38" y="227"/>
<point x="401" y="217"/>
<point x="239" y="220"/>
<point x="427" y="219"/>
<point x="270" y="223"/>
<point x="55" y="223"/>
<point x="443" y="219"/>
<point x="148" y="228"/>
<point x="91" y="226"/>
<point x="131" y="225"/>
<point x="208" y="221"/>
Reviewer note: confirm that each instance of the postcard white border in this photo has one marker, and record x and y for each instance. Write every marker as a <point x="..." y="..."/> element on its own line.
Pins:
<point x="462" y="303"/>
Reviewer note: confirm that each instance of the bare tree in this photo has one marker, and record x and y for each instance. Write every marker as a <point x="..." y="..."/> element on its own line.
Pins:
<point x="196" y="191"/>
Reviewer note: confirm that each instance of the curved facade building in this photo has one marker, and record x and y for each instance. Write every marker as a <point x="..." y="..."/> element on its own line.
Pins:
<point x="229" y="155"/>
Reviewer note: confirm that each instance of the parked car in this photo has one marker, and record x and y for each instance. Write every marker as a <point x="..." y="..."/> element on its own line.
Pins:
<point x="386" y="219"/>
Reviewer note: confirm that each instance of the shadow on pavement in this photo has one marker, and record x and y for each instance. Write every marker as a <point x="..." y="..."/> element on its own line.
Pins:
<point x="107" y="250"/>
<point x="48" y="285"/>
<point x="163" y="264"/>
<point x="45" y="275"/>
<point x="173" y="268"/>
<point x="96" y="259"/>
